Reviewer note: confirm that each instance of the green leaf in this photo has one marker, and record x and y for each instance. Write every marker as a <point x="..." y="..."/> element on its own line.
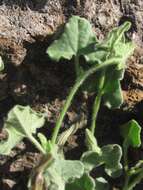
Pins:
<point x="91" y="160"/>
<point x="46" y="144"/>
<point x="111" y="154"/>
<point x="84" y="183"/>
<point x="78" y="39"/>
<point x="131" y="132"/>
<point x="91" y="142"/>
<point x="76" y="36"/>
<point x="113" y="98"/>
<point x="62" y="172"/>
<point x="114" y="45"/>
<point x="1" y="64"/>
<point x="101" y="184"/>
<point x="22" y="122"/>
<point x="121" y="48"/>
<point x="117" y="47"/>
<point x="112" y="93"/>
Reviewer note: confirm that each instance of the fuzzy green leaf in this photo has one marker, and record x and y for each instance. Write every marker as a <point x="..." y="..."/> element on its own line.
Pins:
<point x="22" y="122"/>
<point x="46" y="144"/>
<point x="84" y="183"/>
<point x="112" y="93"/>
<point x="131" y="132"/>
<point x="109" y="156"/>
<point x="91" y="142"/>
<point x="61" y="172"/>
<point x="76" y="36"/>
<point x="78" y="39"/>
<point x="91" y="160"/>
<point x="116" y="47"/>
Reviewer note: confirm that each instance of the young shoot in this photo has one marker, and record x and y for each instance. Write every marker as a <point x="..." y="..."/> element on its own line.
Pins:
<point x="131" y="133"/>
<point x="78" y="39"/>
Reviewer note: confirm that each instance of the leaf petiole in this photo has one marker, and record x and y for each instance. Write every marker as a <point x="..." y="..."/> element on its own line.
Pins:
<point x="135" y="181"/>
<point x="73" y="91"/>
<point x="37" y="144"/>
<point x="97" y="102"/>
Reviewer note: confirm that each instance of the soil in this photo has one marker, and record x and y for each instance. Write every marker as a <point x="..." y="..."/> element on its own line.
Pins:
<point x="27" y="27"/>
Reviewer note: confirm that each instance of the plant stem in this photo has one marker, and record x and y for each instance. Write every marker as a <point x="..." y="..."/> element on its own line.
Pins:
<point x="96" y="106"/>
<point x="97" y="102"/>
<point x="126" y="168"/>
<point x="37" y="180"/>
<point x="125" y="157"/>
<point x="37" y="144"/>
<point x="73" y="91"/>
<point x="127" y="179"/>
<point x="139" y="175"/>
<point x="135" y="181"/>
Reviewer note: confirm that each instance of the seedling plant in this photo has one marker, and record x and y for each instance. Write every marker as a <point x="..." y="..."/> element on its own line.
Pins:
<point x="99" y="71"/>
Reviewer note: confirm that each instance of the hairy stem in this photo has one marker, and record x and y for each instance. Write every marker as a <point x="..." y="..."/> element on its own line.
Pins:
<point x="130" y="184"/>
<point x="126" y="168"/>
<point x="135" y="181"/>
<point x="37" y="180"/>
<point x="127" y="179"/>
<point x="97" y="102"/>
<point x="73" y="91"/>
<point x="37" y="144"/>
<point x="125" y="157"/>
<point x="34" y="141"/>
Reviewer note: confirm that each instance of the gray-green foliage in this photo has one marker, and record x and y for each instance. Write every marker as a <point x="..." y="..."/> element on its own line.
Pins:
<point x="22" y="122"/>
<point x="84" y="183"/>
<point x="78" y="39"/>
<point x="77" y="35"/>
<point x="131" y="132"/>
<point x="108" y="155"/>
<point x="62" y="172"/>
<point x="116" y="47"/>
<point x="45" y="143"/>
